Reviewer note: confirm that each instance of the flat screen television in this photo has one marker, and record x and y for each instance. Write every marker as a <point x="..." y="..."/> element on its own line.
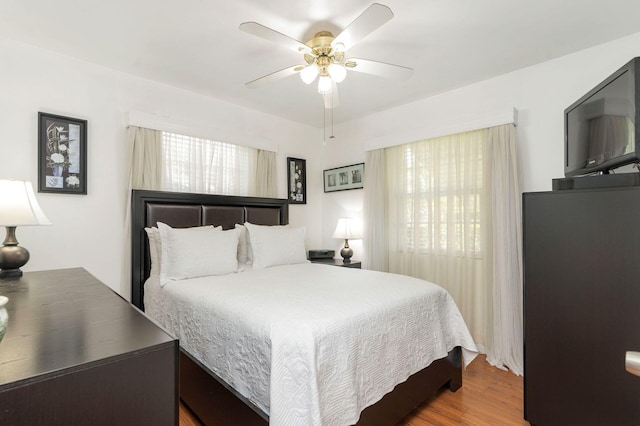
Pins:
<point x="600" y="131"/>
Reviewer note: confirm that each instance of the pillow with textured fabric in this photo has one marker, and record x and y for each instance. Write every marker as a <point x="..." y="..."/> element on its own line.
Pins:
<point x="154" y="242"/>
<point x="187" y="254"/>
<point x="155" y="245"/>
<point x="276" y="245"/>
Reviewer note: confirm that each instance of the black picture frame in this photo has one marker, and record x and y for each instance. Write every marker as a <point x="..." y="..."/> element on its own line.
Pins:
<point x="297" y="180"/>
<point x="344" y="178"/>
<point x="62" y="154"/>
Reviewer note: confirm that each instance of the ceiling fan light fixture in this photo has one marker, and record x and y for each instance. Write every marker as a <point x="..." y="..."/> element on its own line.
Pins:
<point x="324" y="85"/>
<point x="337" y="72"/>
<point x="309" y="73"/>
<point x="338" y="47"/>
<point x="325" y="57"/>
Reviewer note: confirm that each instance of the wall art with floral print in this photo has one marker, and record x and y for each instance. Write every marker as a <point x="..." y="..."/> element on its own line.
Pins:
<point x="62" y="154"/>
<point x="297" y="180"/>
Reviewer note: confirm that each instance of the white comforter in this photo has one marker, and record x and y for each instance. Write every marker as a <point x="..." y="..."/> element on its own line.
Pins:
<point x="311" y="344"/>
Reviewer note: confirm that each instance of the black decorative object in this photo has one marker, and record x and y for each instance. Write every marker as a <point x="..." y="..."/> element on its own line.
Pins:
<point x="62" y="154"/>
<point x="297" y="180"/>
<point x="343" y="178"/>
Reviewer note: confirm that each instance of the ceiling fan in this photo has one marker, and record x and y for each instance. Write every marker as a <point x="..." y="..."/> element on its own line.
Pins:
<point x="325" y="56"/>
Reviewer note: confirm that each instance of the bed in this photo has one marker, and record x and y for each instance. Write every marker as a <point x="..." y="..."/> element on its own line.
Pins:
<point x="210" y="397"/>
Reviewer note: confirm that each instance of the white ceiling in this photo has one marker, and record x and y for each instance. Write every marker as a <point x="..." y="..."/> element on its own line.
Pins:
<point x="196" y="44"/>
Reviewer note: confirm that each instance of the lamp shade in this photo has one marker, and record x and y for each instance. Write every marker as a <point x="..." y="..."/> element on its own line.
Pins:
<point x="18" y="205"/>
<point x="348" y="229"/>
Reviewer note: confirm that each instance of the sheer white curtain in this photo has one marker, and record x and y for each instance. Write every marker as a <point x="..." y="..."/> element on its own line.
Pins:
<point x="266" y="174"/>
<point x="193" y="164"/>
<point x="436" y="191"/>
<point x="507" y="331"/>
<point x="376" y="243"/>
<point x="452" y="217"/>
<point x="145" y="172"/>
<point x="145" y="153"/>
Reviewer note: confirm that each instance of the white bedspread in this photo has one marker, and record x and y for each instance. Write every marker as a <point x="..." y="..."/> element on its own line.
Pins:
<point x="311" y="344"/>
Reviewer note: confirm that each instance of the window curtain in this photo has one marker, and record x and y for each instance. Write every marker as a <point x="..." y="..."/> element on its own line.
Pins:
<point x="452" y="217"/>
<point x="435" y="196"/>
<point x="193" y="164"/>
<point x="145" y="147"/>
<point x="266" y="174"/>
<point x="507" y="332"/>
<point x="376" y="243"/>
<point x="145" y="172"/>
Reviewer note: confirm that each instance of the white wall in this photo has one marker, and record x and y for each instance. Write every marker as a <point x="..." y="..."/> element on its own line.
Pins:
<point x="87" y="231"/>
<point x="540" y="93"/>
<point x="344" y="150"/>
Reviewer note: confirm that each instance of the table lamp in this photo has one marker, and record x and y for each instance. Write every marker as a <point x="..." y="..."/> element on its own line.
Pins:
<point x="18" y="207"/>
<point x="349" y="229"/>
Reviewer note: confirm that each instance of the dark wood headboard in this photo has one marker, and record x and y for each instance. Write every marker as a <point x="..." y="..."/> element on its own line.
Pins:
<point x="183" y="210"/>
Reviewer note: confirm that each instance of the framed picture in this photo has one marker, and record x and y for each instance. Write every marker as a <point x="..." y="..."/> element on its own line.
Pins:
<point x="62" y="154"/>
<point x="343" y="178"/>
<point x="297" y="180"/>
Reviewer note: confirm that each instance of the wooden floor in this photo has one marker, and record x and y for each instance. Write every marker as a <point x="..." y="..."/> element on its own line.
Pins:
<point x="488" y="397"/>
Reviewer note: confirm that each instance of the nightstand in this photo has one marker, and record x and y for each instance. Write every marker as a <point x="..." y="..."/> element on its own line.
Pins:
<point x="338" y="262"/>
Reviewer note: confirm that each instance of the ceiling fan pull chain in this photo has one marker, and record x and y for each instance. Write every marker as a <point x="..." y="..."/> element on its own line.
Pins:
<point x="332" y="135"/>
<point x="324" y="126"/>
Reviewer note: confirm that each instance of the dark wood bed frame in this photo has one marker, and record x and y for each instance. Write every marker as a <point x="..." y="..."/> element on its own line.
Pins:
<point x="208" y="396"/>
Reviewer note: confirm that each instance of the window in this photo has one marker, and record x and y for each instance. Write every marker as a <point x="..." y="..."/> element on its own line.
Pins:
<point x="439" y="195"/>
<point x="201" y="165"/>
<point x="451" y="216"/>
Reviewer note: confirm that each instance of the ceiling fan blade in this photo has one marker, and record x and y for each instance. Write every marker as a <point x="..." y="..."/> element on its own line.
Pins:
<point x="332" y="100"/>
<point x="274" y="36"/>
<point x="274" y="76"/>
<point x="368" y="21"/>
<point x="381" y="69"/>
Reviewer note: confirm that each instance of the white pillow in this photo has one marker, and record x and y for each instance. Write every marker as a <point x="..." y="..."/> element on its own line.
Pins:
<point x="244" y="246"/>
<point x="155" y="245"/>
<point x="245" y="253"/>
<point x="188" y="254"/>
<point x="276" y="245"/>
<point x="154" y="242"/>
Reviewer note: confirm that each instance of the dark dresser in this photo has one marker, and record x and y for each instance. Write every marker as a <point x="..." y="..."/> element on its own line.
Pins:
<point x="581" y="306"/>
<point x="76" y="353"/>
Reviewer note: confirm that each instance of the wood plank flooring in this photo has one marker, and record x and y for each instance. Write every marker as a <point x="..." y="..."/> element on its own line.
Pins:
<point x="488" y="397"/>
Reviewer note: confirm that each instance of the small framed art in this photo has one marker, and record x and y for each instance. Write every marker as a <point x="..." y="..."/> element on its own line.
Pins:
<point x="62" y="154"/>
<point x="343" y="178"/>
<point x="297" y="180"/>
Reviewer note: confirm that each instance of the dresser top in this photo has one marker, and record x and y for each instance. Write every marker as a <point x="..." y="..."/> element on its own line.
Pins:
<point x="64" y="318"/>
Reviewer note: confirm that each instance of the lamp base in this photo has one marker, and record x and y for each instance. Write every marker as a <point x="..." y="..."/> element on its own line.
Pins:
<point x="346" y="254"/>
<point x="10" y="273"/>
<point x="12" y="256"/>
